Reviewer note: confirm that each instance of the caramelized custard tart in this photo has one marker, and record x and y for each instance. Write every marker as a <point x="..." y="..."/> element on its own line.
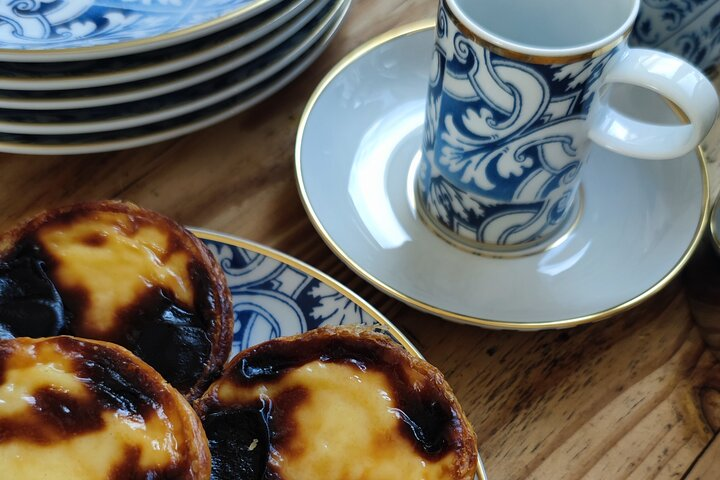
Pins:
<point x="81" y="409"/>
<point x="115" y="272"/>
<point x="335" y="404"/>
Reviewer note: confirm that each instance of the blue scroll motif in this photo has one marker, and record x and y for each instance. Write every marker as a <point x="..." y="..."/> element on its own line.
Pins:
<point x="48" y="24"/>
<point x="504" y="140"/>
<point x="688" y="28"/>
<point x="273" y="299"/>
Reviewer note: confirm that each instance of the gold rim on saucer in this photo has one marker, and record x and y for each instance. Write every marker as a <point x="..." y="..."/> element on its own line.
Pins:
<point x="195" y="31"/>
<point x="315" y="273"/>
<point x="714" y="227"/>
<point x="411" y="29"/>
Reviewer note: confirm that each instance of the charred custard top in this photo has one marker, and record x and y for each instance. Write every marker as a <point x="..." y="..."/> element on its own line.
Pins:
<point x="330" y="407"/>
<point x="76" y="409"/>
<point x="116" y="277"/>
<point x="114" y="262"/>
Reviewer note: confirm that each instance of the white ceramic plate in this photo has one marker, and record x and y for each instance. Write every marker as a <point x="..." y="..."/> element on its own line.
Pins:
<point x="156" y="62"/>
<point x="66" y="30"/>
<point x="275" y="295"/>
<point x="175" y="104"/>
<point x="144" y="135"/>
<point x="160" y="85"/>
<point x="358" y="143"/>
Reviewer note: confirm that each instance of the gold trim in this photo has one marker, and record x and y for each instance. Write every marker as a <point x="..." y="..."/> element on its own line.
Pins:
<point x="175" y="36"/>
<point x="496" y="324"/>
<point x="714" y="224"/>
<point x="317" y="274"/>
<point x="535" y="59"/>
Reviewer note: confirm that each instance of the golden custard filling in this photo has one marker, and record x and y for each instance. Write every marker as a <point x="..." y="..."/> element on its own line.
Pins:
<point x="335" y="404"/>
<point x="64" y="416"/>
<point x="335" y="408"/>
<point x="127" y="277"/>
<point x="115" y="261"/>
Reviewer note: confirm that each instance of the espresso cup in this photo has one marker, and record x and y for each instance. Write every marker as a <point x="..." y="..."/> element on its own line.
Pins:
<point x="517" y="93"/>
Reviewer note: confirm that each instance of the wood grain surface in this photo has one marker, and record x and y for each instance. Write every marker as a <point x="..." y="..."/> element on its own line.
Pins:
<point x="636" y="396"/>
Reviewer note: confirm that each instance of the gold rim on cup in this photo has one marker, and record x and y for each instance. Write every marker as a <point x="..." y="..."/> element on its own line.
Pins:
<point x="536" y="59"/>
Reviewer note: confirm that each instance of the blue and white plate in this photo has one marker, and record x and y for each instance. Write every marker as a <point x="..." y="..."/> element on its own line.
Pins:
<point x="275" y="295"/>
<point x="128" y="68"/>
<point x="175" y="127"/>
<point x="66" y="30"/>
<point x="175" y="104"/>
<point x="357" y="151"/>
<point x="161" y="84"/>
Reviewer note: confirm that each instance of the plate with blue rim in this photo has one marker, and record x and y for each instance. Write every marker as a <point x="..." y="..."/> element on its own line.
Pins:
<point x="44" y="77"/>
<point x="67" y="30"/>
<point x="167" y="129"/>
<point x="275" y="295"/>
<point x="173" y="104"/>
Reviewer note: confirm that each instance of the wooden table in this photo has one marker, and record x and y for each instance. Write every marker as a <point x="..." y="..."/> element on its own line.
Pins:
<point x="637" y="396"/>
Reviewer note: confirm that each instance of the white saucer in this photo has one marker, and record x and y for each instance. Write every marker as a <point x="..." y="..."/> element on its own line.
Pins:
<point x="357" y="142"/>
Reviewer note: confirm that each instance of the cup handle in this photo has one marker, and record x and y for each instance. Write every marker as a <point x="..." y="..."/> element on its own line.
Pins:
<point x="671" y="77"/>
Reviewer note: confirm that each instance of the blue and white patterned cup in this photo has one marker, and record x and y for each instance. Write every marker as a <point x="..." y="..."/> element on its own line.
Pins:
<point x="688" y="28"/>
<point x="514" y="100"/>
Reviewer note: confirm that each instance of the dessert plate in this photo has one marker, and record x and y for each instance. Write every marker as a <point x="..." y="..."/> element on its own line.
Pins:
<point x="121" y="69"/>
<point x="356" y="152"/>
<point x="275" y="295"/>
<point x="63" y="30"/>
<point x="175" y="127"/>
<point x="161" y="84"/>
<point x="174" y="104"/>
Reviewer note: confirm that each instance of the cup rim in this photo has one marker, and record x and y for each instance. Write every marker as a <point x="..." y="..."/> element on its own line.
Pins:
<point x="543" y="55"/>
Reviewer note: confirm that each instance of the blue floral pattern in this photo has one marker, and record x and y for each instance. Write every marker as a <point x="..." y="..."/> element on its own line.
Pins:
<point x="273" y="299"/>
<point x="689" y="28"/>
<point x="52" y="24"/>
<point x="504" y="140"/>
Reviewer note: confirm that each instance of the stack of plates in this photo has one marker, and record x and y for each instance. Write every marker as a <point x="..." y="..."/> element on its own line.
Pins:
<point x="80" y="76"/>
